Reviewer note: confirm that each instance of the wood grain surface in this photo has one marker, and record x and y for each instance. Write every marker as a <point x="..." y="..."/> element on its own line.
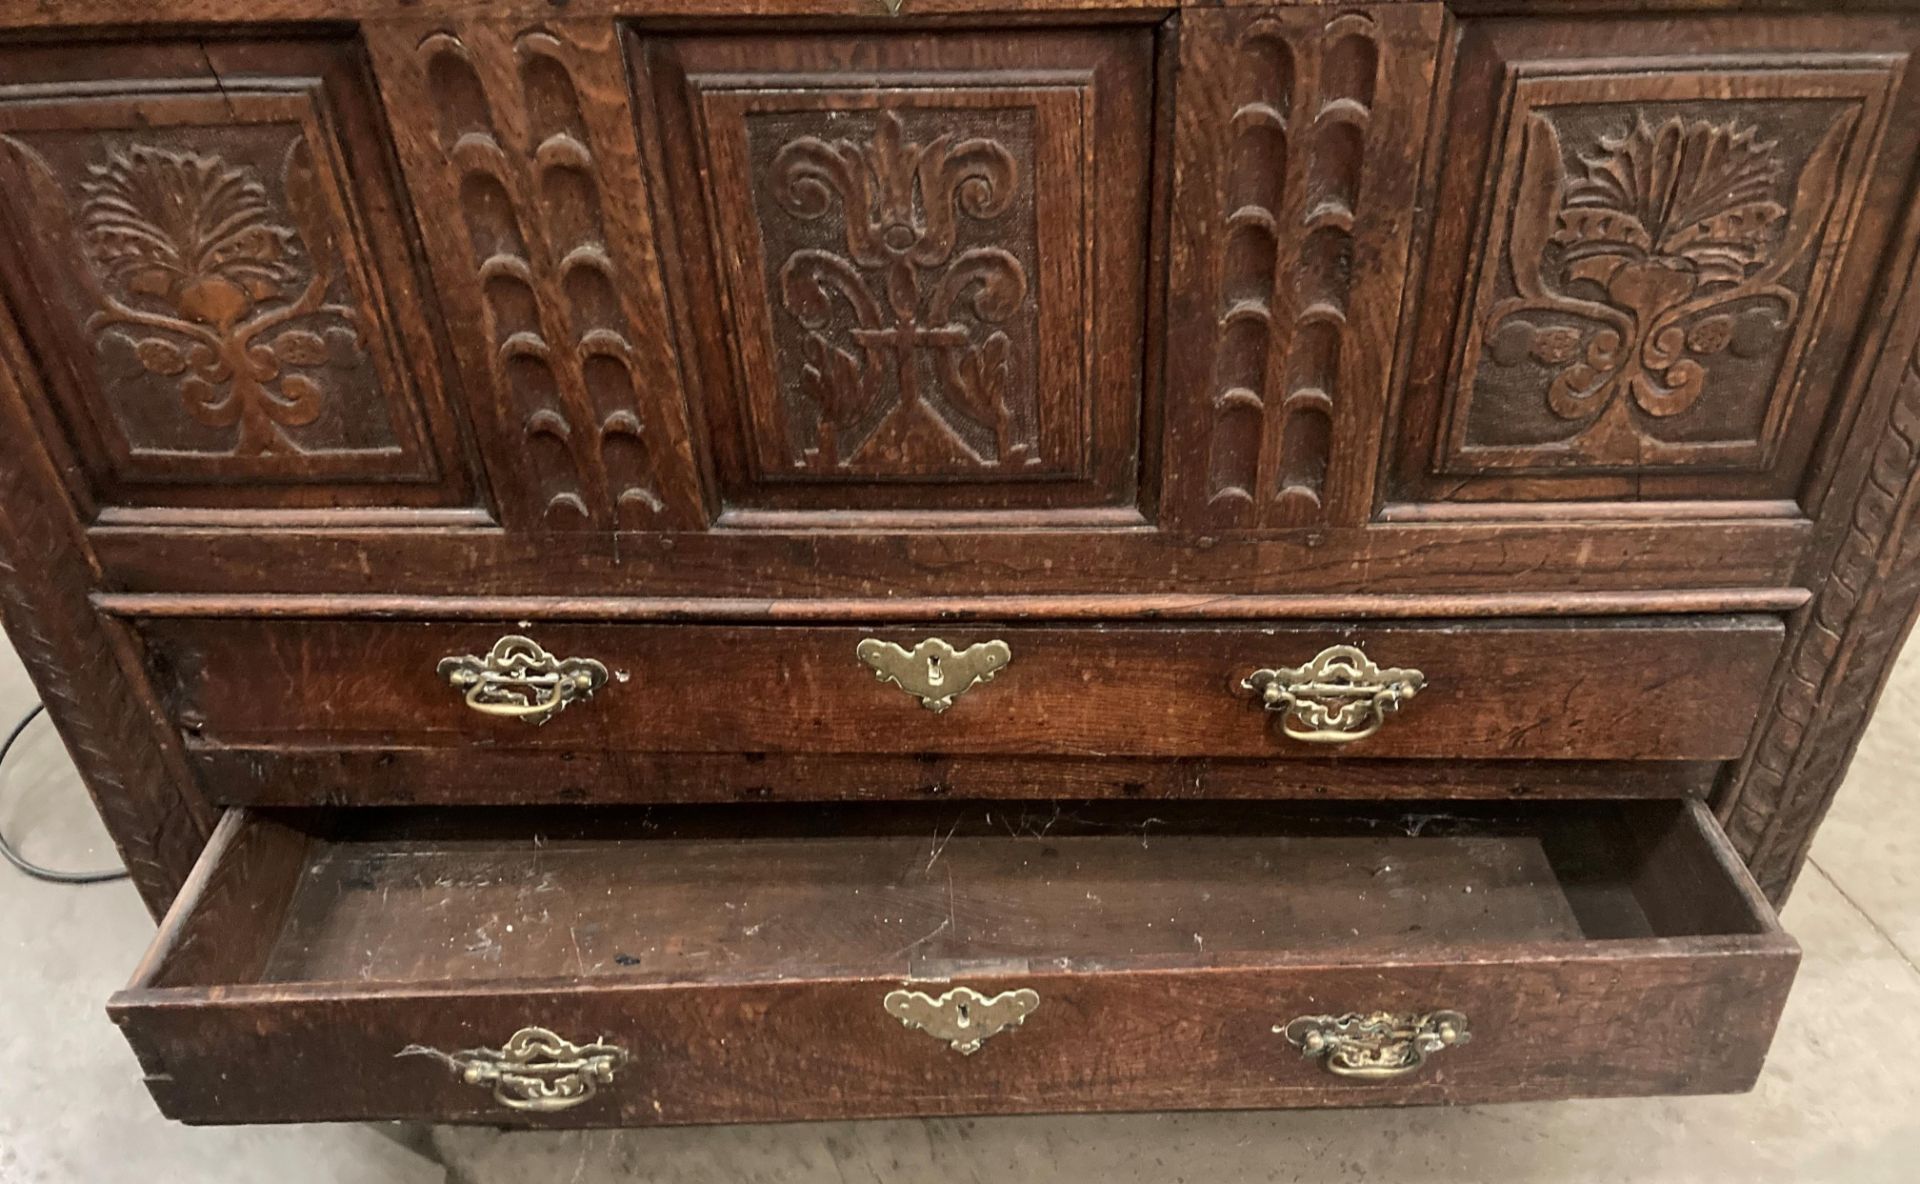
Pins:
<point x="1164" y="948"/>
<point x="1619" y="689"/>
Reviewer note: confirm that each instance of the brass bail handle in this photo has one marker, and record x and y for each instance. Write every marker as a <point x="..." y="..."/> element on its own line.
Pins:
<point x="536" y="1071"/>
<point x="1375" y="1046"/>
<point x="1339" y="697"/>
<point x="519" y="679"/>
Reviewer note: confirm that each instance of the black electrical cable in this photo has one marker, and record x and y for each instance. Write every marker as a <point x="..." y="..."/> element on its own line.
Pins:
<point x="20" y="861"/>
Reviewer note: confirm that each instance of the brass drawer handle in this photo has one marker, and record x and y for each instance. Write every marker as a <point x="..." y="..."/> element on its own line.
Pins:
<point x="933" y="671"/>
<point x="518" y="678"/>
<point x="1337" y="698"/>
<point x="962" y="1017"/>
<point x="535" y="1071"/>
<point x="1378" y="1046"/>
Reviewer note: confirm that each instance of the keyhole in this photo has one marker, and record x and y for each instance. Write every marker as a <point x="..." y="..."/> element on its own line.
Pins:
<point x="935" y="676"/>
<point x="966" y="1017"/>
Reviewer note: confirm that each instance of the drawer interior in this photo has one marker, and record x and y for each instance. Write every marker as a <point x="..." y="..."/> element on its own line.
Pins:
<point x="677" y="894"/>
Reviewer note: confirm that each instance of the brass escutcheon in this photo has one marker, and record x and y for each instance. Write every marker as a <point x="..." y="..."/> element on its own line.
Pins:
<point x="962" y="1017"/>
<point x="1338" y="697"/>
<point x="1376" y="1046"/>
<point x="518" y="678"/>
<point x="536" y="1070"/>
<point x="933" y="671"/>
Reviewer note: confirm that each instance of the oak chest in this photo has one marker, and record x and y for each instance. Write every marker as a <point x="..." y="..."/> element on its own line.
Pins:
<point x="614" y="563"/>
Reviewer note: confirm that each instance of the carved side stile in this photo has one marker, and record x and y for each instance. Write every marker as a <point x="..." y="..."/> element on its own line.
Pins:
<point x="125" y="754"/>
<point x="519" y="141"/>
<point x="1839" y="657"/>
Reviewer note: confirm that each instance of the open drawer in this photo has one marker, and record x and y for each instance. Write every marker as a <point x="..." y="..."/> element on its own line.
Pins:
<point x="657" y="967"/>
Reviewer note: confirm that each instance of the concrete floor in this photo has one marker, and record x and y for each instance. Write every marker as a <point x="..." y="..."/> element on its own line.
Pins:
<point x="1837" y="1101"/>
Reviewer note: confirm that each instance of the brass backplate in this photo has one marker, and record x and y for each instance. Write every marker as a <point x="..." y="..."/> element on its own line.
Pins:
<point x="518" y="678"/>
<point x="933" y="671"/>
<point x="962" y="1017"/>
<point x="1338" y="697"/>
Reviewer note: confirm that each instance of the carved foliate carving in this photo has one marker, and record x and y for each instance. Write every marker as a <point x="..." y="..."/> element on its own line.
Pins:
<point x="216" y="280"/>
<point x="206" y="284"/>
<point x="1647" y="272"/>
<point x="923" y="295"/>
<point x="905" y="296"/>
<point x="900" y="254"/>
<point x="1673" y="253"/>
<point x="1652" y="273"/>
<point x="204" y="269"/>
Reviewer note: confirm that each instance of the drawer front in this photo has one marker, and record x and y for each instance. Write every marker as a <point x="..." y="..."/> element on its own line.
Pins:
<point x="1629" y="689"/>
<point x="1136" y="1041"/>
<point x="685" y="991"/>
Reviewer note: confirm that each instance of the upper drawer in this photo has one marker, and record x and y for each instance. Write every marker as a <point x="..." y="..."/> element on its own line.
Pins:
<point x="1634" y="688"/>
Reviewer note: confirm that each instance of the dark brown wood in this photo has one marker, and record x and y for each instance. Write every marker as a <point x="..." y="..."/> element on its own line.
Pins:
<point x="247" y="876"/>
<point x="1294" y="191"/>
<point x="518" y="138"/>
<point x="746" y="977"/>
<point x="1844" y="644"/>
<point x="453" y="775"/>
<point x="951" y="608"/>
<point x="80" y="661"/>
<point x="245" y="330"/>
<point x="910" y="270"/>
<point x="1493" y="689"/>
<point x="37" y="14"/>
<point x="859" y="561"/>
<point x="1622" y="344"/>
<point x="1562" y="349"/>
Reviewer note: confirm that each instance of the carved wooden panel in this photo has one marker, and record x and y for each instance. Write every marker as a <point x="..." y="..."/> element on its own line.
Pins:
<point x="906" y="256"/>
<point x="205" y="264"/>
<point x="903" y="251"/>
<point x="521" y="139"/>
<point x="1663" y="265"/>
<point x="1293" y="196"/>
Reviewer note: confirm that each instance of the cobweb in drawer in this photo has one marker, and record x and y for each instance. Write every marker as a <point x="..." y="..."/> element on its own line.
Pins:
<point x="892" y="904"/>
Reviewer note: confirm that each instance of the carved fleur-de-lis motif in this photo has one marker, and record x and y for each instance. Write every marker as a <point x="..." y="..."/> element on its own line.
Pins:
<point x="188" y="252"/>
<point x="901" y="203"/>
<point x="1668" y="249"/>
